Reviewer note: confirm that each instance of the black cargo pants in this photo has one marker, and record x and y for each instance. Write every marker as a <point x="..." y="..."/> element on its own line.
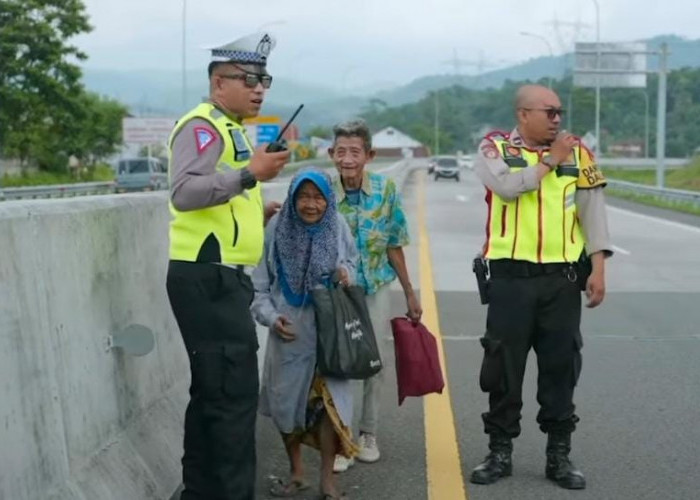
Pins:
<point x="538" y="306"/>
<point x="211" y="305"/>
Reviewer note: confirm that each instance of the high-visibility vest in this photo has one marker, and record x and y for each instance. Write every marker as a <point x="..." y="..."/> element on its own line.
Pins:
<point x="230" y="233"/>
<point x="539" y="226"/>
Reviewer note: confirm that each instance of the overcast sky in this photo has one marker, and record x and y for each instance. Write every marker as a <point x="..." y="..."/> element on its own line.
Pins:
<point x="352" y="43"/>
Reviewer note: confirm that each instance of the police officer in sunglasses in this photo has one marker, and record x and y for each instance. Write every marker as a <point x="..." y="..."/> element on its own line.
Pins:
<point x="546" y="225"/>
<point x="216" y="238"/>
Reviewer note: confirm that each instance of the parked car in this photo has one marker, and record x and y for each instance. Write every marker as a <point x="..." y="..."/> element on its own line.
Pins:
<point x="141" y="174"/>
<point x="446" y="166"/>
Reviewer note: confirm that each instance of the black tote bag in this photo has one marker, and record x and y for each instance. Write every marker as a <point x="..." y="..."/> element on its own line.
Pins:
<point x="346" y="346"/>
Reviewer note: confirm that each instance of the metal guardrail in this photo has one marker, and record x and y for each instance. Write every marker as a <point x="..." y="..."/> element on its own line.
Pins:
<point x="668" y="194"/>
<point x="90" y="188"/>
<point x="642" y="163"/>
<point x="57" y="190"/>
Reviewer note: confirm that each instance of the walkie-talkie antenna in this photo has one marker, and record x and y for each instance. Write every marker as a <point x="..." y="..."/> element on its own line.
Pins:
<point x="286" y="126"/>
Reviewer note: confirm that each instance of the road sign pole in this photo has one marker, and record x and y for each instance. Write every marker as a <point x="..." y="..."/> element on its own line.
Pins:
<point x="661" y="117"/>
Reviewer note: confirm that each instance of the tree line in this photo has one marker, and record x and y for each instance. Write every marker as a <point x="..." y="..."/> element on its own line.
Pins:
<point x="463" y="114"/>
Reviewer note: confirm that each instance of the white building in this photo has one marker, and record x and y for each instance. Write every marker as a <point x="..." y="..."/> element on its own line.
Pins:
<point x="390" y="142"/>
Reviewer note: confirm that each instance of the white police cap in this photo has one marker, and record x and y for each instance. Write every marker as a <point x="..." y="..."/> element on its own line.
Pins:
<point x="251" y="49"/>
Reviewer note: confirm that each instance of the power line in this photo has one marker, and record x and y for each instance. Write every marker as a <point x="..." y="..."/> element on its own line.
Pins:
<point x="481" y="64"/>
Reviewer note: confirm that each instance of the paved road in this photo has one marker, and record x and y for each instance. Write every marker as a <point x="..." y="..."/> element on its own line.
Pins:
<point x="637" y="397"/>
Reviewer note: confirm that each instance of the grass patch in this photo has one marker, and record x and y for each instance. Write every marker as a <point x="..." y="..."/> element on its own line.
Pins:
<point x="101" y="173"/>
<point x="687" y="178"/>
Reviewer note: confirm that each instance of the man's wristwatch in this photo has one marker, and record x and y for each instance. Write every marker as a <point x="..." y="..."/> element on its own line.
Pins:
<point x="248" y="180"/>
<point x="549" y="161"/>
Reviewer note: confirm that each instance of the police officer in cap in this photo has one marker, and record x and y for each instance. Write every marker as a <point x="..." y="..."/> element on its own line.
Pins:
<point x="545" y="209"/>
<point x="216" y="238"/>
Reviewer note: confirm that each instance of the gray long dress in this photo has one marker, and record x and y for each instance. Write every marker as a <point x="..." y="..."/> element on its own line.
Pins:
<point x="290" y="366"/>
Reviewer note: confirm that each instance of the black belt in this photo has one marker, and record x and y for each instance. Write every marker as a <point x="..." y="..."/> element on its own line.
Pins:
<point x="509" y="268"/>
<point x="241" y="268"/>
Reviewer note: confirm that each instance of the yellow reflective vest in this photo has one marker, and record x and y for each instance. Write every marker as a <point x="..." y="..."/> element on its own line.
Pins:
<point x="230" y="233"/>
<point x="539" y="226"/>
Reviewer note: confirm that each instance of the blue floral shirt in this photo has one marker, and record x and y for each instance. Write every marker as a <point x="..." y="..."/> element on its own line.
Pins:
<point x="377" y="222"/>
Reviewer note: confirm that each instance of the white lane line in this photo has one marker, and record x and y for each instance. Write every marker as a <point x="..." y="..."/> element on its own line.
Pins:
<point x="621" y="250"/>
<point x="462" y="198"/>
<point x="671" y="223"/>
<point x="472" y="338"/>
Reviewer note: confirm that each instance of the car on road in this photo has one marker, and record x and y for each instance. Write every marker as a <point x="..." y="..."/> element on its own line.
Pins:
<point x="466" y="161"/>
<point x="141" y="174"/>
<point x="446" y="166"/>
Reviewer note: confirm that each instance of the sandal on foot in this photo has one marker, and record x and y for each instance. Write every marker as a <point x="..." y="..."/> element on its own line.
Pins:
<point x="280" y="489"/>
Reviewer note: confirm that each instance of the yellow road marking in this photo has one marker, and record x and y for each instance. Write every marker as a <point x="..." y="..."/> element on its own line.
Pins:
<point x="445" y="481"/>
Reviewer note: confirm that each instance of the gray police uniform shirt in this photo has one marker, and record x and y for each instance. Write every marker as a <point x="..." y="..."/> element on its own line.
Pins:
<point x="496" y="175"/>
<point x="194" y="181"/>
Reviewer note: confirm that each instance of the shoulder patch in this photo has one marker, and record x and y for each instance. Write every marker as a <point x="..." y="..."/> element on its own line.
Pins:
<point x="590" y="175"/>
<point x="498" y="134"/>
<point x="204" y="137"/>
<point x="489" y="150"/>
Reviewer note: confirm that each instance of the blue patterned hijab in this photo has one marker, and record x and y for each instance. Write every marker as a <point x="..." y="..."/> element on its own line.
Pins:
<point x="305" y="254"/>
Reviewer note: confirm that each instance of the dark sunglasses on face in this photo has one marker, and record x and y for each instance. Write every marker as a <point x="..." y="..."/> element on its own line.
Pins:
<point x="552" y="113"/>
<point x="251" y="80"/>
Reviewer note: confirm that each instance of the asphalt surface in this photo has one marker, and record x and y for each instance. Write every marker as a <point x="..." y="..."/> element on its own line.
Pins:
<point x="638" y="395"/>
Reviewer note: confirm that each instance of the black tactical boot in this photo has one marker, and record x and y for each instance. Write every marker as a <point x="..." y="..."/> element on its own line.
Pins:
<point x="497" y="463"/>
<point x="559" y="467"/>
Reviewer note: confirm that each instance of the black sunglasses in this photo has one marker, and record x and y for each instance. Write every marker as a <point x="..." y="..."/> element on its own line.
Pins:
<point x="552" y="113"/>
<point x="251" y="80"/>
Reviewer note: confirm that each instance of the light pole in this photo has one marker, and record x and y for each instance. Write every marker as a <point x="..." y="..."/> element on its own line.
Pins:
<point x="661" y="117"/>
<point x="597" y="78"/>
<point x="437" y="122"/>
<point x="549" y="47"/>
<point x="646" y="123"/>
<point x="184" y="56"/>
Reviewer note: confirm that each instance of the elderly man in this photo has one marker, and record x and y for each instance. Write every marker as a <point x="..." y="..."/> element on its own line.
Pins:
<point x="216" y="237"/>
<point x="546" y="216"/>
<point x="371" y="205"/>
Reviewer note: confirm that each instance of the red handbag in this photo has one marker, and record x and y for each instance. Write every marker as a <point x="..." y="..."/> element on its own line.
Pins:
<point x="418" y="369"/>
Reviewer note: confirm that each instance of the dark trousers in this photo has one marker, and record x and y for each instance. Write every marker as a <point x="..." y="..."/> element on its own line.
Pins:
<point x="543" y="312"/>
<point x="211" y="305"/>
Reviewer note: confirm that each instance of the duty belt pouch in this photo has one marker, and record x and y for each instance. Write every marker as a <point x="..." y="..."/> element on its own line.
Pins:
<point x="584" y="268"/>
<point x="480" y="269"/>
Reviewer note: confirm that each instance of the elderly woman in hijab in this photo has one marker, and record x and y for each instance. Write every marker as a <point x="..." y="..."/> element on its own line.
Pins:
<point x="306" y="245"/>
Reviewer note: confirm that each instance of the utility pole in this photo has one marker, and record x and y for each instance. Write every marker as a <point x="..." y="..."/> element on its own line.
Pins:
<point x="566" y="45"/>
<point x="456" y="63"/>
<point x="549" y="47"/>
<point x="480" y="64"/>
<point x="184" y="54"/>
<point x="661" y="116"/>
<point x="597" y="79"/>
<point x="577" y="27"/>
<point x="437" y="122"/>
